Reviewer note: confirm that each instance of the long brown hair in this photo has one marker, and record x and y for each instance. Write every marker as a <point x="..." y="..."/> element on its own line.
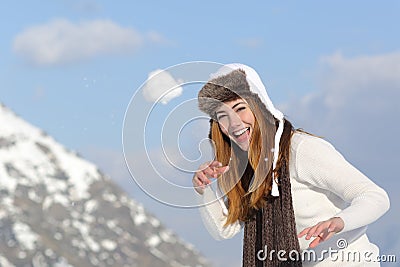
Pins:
<point x="249" y="178"/>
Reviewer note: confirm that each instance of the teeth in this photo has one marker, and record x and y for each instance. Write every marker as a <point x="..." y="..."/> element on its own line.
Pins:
<point x="240" y="132"/>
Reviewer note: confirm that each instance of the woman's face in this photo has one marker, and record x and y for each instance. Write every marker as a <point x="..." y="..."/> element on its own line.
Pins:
<point x="236" y="120"/>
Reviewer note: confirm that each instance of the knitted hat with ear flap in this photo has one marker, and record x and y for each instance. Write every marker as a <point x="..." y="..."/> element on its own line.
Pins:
<point x="241" y="85"/>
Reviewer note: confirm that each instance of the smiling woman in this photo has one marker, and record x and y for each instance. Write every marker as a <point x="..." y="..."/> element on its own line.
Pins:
<point x="284" y="186"/>
<point x="236" y="121"/>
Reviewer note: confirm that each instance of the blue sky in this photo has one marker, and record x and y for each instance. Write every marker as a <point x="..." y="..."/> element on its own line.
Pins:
<point x="332" y="67"/>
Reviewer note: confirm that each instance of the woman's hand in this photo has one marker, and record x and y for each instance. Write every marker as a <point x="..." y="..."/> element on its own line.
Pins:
<point x="322" y="231"/>
<point x="207" y="170"/>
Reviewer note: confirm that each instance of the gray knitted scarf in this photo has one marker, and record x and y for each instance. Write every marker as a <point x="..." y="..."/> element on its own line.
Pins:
<point x="272" y="229"/>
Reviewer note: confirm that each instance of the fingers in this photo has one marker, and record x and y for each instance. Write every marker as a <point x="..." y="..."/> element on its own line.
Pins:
<point x="317" y="229"/>
<point x="220" y="170"/>
<point x="208" y="170"/>
<point x="308" y="231"/>
<point x="333" y="225"/>
<point x="213" y="169"/>
<point x="322" y="231"/>
<point x="198" y="183"/>
<point x="215" y="163"/>
<point x="319" y="239"/>
<point x="304" y="232"/>
<point x="200" y="179"/>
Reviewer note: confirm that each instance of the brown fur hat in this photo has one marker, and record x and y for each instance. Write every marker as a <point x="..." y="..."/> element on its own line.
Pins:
<point x="223" y="88"/>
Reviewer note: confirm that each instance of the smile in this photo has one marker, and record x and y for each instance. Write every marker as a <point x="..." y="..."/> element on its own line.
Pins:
<point x="240" y="132"/>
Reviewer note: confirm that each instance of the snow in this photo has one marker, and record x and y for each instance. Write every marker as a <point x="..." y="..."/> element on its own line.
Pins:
<point x="58" y="236"/>
<point x="93" y="260"/>
<point x="7" y="182"/>
<point x="81" y="173"/>
<point x="112" y="223"/>
<point x="102" y="256"/>
<point x="91" y="205"/>
<point x="166" y="236"/>
<point x="4" y="262"/>
<point x="93" y="245"/>
<point x="47" y="203"/>
<point x="49" y="253"/>
<point x="39" y="164"/>
<point x="53" y="175"/>
<point x="21" y="254"/>
<point x="3" y="214"/>
<point x="62" y="262"/>
<point x="34" y="197"/>
<point x="75" y="214"/>
<point x="109" y="197"/>
<point x="153" y="241"/>
<point x="158" y="254"/>
<point x="78" y="243"/>
<point x="55" y="198"/>
<point x="88" y="218"/>
<point x="11" y="243"/>
<point x="108" y="244"/>
<point x="66" y="223"/>
<point x="139" y="218"/>
<point x="25" y="236"/>
<point x="55" y="186"/>
<point x="7" y="202"/>
<point x="84" y="228"/>
<point x="82" y="253"/>
<point x="118" y="230"/>
<point x="154" y="222"/>
<point x="11" y="123"/>
<point x="38" y="260"/>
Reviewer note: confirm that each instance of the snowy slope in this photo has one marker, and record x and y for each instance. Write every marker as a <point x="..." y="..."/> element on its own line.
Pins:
<point x="57" y="209"/>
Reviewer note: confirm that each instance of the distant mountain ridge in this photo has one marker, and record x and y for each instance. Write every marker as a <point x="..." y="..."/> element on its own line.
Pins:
<point x="57" y="209"/>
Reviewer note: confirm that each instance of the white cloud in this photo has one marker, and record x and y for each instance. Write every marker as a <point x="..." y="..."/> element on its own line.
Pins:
<point x="61" y="41"/>
<point x="357" y="105"/>
<point x="157" y="38"/>
<point x="344" y="78"/>
<point x="353" y="91"/>
<point x="161" y="87"/>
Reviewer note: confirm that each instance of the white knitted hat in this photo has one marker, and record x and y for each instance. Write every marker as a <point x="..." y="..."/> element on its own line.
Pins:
<point x="256" y="86"/>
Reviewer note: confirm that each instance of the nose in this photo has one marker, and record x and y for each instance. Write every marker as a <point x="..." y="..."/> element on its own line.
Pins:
<point x="234" y="121"/>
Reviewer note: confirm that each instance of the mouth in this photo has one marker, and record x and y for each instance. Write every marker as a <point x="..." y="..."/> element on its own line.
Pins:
<point x="242" y="134"/>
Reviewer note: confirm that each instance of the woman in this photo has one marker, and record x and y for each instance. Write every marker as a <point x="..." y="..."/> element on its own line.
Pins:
<point x="299" y="201"/>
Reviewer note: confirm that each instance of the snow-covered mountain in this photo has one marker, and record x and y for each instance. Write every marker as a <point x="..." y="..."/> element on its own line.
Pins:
<point x="57" y="209"/>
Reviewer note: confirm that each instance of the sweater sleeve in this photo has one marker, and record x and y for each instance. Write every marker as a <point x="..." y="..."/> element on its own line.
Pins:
<point x="214" y="215"/>
<point x="321" y="165"/>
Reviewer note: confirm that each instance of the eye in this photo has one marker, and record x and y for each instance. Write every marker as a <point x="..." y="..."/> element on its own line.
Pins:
<point x="221" y="117"/>
<point x="240" y="109"/>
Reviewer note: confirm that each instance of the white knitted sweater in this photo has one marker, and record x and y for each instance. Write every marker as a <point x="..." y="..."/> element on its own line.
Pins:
<point x="323" y="185"/>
